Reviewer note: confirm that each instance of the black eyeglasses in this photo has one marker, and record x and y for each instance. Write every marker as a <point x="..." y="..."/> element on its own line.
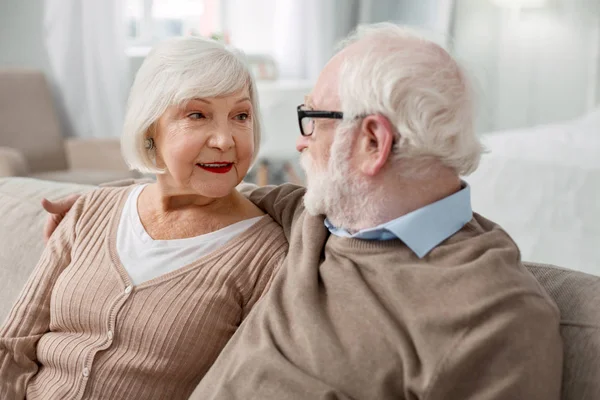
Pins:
<point x="306" y="118"/>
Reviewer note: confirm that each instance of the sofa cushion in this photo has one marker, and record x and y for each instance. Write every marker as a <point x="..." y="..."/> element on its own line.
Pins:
<point x="578" y="297"/>
<point x="85" y="176"/>
<point x="21" y="238"/>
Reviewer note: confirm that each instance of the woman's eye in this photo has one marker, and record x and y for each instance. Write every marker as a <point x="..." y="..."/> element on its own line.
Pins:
<point x="196" y="115"/>
<point x="242" y="116"/>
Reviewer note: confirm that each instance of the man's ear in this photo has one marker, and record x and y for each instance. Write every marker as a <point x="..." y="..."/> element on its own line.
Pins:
<point x="376" y="141"/>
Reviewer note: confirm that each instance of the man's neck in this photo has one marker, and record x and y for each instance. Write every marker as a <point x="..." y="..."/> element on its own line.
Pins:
<point x="387" y="201"/>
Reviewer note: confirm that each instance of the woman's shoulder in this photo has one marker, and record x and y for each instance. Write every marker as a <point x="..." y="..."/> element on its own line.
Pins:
<point x="108" y="193"/>
<point x="267" y="234"/>
<point x="103" y="199"/>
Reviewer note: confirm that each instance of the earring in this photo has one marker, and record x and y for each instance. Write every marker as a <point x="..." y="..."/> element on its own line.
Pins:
<point x="149" y="144"/>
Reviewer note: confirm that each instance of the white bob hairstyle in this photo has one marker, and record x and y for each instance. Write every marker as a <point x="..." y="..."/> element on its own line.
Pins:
<point x="174" y="72"/>
<point x="419" y="87"/>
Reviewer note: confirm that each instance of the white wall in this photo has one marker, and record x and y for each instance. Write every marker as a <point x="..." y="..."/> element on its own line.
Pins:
<point x="21" y="35"/>
<point x="533" y="67"/>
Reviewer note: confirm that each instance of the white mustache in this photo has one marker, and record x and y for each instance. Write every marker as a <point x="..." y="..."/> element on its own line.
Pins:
<point x="306" y="163"/>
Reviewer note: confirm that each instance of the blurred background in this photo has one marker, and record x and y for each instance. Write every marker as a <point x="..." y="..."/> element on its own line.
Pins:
<point x="66" y="67"/>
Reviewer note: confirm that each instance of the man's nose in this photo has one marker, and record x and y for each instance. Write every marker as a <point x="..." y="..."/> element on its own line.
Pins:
<point x="302" y="143"/>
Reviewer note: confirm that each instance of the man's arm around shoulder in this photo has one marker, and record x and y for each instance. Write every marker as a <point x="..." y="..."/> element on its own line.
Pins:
<point x="284" y="203"/>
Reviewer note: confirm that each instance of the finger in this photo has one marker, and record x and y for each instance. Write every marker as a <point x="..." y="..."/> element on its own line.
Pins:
<point x="48" y="205"/>
<point x="60" y="206"/>
<point x="50" y="227"/>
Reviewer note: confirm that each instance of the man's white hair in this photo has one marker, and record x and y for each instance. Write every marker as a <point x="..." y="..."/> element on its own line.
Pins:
<point x="419" y="88"/>
<point x="176" y="71"/>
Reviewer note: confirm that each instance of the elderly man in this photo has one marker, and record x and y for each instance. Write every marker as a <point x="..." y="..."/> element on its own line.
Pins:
<point x="393" y="288"/>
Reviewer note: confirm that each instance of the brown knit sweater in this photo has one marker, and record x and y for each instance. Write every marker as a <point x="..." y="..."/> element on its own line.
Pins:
<point x="79" y="330"/>
<point x="355" y="319"/>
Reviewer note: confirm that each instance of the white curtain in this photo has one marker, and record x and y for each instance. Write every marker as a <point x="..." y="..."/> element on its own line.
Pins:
<point x="307" y="31"/>
<point x="299" y="34"/>
<point x="85" y="41"/>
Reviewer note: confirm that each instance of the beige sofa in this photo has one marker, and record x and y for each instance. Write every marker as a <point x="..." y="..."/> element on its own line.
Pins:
<point x="577" y="294"/>
<point x="32" y="143"/>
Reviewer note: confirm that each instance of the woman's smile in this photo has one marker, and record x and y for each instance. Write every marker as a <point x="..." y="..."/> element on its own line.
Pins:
<point x="216" y="167"/>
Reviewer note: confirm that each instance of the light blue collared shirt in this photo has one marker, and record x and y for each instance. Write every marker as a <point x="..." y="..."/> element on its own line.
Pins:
<point x="422" y="229"/>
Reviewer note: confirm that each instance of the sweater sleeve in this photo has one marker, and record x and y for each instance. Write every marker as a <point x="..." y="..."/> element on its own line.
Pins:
<point x="514" y="353"/>
<point x="270" y="249"/>
<point x="284" y="203"/>
<point x="264" y="281"/>
<point x="29" y="317"/>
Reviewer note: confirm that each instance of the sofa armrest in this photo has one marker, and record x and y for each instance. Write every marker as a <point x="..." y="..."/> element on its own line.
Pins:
<point x="96" y="154"/>
<point x="12" y="162"/>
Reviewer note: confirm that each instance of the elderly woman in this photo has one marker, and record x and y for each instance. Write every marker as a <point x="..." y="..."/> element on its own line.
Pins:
<point x="140" y="288"/>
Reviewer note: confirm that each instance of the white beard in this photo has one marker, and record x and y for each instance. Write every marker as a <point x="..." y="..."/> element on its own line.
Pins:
<point x="318" y="198"/>
<point x="335" y="192"/>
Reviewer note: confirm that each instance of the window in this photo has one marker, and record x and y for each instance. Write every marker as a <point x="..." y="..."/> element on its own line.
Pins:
<point x="246" y="24"/>
<point x="149" y="21"/>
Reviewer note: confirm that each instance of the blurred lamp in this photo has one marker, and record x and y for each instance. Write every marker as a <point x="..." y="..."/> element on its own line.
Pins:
<point x="520" y="3"/>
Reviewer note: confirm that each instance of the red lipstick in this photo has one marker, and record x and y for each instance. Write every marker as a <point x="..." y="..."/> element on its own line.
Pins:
<point x="216" y="167"/>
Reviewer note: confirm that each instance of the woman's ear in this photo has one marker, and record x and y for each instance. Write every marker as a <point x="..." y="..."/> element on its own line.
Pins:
<point x="376" y="139"/>
<point x="150" y="143"/>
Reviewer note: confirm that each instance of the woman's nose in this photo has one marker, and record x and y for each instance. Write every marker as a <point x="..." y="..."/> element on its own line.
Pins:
<point x="222" y="139"/>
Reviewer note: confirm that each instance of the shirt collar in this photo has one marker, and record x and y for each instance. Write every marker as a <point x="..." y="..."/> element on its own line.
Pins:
<point x="424" y="228"/>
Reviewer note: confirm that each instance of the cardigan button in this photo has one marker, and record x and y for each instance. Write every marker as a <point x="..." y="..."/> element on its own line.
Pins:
<point x="110" y="335"/>
<point x="128" y="289"/>
<point x="86" y="372"/>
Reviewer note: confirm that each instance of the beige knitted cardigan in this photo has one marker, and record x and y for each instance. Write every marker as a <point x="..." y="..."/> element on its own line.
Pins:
<point x="80" y="329"/>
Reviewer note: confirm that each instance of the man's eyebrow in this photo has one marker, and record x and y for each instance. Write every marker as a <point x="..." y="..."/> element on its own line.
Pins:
<point x="308" y="101"/>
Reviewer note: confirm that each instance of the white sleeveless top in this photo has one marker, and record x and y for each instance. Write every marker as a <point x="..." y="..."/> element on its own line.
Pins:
<point x="145" y="258"/>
